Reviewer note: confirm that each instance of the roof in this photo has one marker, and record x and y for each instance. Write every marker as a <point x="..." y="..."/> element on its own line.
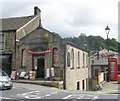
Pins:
<point x="14" y="23"/>
<point x="76" y="46"/>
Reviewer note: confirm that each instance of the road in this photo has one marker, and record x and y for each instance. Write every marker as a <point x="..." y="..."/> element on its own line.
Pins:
<point x="30" y="91"/>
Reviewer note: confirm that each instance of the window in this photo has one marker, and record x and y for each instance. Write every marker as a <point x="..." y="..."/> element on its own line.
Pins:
<point x="1" y="41"/>
<point x="96" y="72"/>
<point x="68" y="59"/>
<point x="23" y="57"/>
<point x="72" y="58"/>
<point x="83" y="60"/>
<point x="78" y="65"/>
<point x="87" y="61"/>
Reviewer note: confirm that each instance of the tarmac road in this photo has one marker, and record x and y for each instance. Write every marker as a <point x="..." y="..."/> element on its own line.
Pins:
<point x="22" y="92"/>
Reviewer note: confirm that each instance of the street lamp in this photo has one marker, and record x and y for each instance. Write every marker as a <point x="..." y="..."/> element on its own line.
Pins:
<point x="107" y="29"/>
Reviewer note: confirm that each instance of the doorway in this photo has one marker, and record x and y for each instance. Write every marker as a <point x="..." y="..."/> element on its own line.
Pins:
<point x="40" y="67"/>
<point x="78" y="85"/>
<point x="83" y="84"/>
<point x="6" y="63"/>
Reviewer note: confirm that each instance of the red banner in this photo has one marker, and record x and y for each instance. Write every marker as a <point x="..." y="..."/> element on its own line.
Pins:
<point x="42" y="52"/>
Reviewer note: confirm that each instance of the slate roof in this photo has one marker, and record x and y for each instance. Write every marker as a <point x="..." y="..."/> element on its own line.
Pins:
<point x="14" y="23"/>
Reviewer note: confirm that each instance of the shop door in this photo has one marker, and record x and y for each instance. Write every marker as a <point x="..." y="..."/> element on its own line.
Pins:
<point x="40" y="67"/>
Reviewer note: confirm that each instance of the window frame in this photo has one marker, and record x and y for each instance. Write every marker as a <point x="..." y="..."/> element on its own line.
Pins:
<point x="78" y="62"/>
<point x="2" y="42"/>
<point x="68" y="59"/>
<point x="72" y="58"/>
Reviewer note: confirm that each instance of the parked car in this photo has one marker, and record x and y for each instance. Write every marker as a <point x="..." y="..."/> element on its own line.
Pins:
<point x="5" y="81"/>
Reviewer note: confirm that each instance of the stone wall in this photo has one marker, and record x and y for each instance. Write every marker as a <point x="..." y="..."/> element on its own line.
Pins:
<point x="40" y="40"/>
<point x="27" y="28"/>
<point x="10" y="46"/>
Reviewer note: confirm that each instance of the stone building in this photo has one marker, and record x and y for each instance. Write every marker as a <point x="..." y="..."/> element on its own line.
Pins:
<point x="99" y="68"/>
<point x="30" y="47"/>
<point x="12" y="30"/>
<point x="76" y="68"/>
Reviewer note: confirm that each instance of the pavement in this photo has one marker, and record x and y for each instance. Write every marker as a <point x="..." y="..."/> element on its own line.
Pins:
<point x="38" y="82"/>
<point x="111" y="87"/>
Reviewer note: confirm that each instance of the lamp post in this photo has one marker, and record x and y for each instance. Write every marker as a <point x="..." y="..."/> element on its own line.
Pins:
<point x="107" y="29"/>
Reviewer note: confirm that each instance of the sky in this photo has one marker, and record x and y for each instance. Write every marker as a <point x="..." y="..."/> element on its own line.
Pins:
<point x="69" y="18"/>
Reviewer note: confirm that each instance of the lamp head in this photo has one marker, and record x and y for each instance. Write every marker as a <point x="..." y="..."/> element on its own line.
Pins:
<point x="107" y="29"/>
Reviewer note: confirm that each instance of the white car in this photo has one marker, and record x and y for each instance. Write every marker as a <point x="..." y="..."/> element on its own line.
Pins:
<point x="5" y="81"/>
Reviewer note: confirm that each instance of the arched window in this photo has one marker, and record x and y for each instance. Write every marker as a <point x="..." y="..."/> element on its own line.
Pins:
<point x="23" y="59"/>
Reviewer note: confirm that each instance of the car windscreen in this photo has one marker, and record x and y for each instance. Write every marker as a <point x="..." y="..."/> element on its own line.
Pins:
<point x="2" y="73"/>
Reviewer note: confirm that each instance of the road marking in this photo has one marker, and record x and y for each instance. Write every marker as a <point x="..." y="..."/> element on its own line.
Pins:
<point x="29" y="97"/>
<point x="67" y="97"/>
<point x="54" y="93"/>
<point x="4" y="98"/>
<point x="48" y="95"/>
<point x="35" y="95"/>
<point x="31" y="92"/>
<point x="51" y="94"/>
<point x="81" y="96"/>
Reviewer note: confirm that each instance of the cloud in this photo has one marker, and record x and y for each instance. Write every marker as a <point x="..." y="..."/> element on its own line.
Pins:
<point x="70" y="17"/>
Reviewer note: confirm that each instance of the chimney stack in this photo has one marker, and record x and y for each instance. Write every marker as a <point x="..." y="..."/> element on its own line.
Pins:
<point x="37" y="12"/>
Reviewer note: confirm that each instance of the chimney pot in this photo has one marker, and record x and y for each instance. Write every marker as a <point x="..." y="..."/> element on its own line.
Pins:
<point x="36" y="11"/>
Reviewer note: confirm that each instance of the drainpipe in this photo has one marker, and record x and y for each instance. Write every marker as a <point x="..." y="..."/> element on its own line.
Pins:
<point x="15" y="51"/>
<point x="64" y="75"/>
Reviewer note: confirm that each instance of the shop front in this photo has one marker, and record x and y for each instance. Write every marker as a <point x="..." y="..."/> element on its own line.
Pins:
<point x="39" y="62"/>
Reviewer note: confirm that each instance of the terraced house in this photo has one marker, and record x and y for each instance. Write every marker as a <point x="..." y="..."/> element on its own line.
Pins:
<point x="26" y="46"/>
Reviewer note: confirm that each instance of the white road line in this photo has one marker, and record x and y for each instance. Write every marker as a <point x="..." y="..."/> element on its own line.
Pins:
<point x="54" y="93"/>
<point x="67" y="97"/>
<point x="35" y="95"/>
<point x="30" y="92"/>
<point x="48" y="95"/>
<point x="81" y="96"/>
<point x="51" y="94"/>
<point x="28" y="97"/>
<point x="5" y="98"/>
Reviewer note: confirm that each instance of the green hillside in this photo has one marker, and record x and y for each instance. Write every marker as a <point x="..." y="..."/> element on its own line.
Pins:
<point x="94" y="43"/>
